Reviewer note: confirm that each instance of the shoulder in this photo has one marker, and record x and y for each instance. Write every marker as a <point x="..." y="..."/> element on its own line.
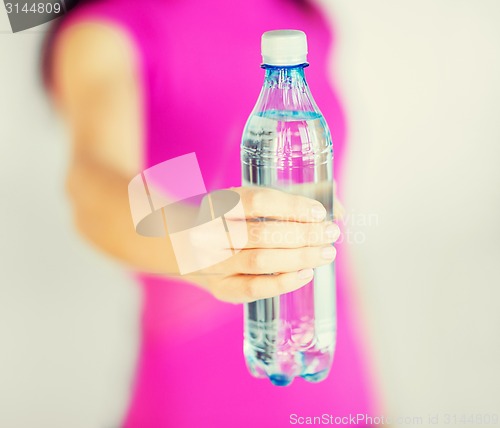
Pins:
<point x="93" y="52"/>
<point x="97" y="90"/>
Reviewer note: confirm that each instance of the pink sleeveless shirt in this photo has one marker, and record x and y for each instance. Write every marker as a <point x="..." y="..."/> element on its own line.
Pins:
<point x="200" y="77"/>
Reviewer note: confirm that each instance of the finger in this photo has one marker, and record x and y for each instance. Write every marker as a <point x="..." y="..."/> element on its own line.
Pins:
<point x="264" y="261"/>
<point x="280" y="234"/>
<point x="275" y="204"/>
<point x="248" y="288"/>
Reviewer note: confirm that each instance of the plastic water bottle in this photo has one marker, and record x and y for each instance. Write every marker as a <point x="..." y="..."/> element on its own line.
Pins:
<point x="287" y="145"/>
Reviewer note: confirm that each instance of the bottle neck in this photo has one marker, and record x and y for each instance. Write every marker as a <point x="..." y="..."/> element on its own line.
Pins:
<point x="280" y="77"/>
<point x="285" y="89"/>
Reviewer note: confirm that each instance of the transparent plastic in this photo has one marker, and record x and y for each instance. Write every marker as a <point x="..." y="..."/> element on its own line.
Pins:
<point x="287" y="145"/>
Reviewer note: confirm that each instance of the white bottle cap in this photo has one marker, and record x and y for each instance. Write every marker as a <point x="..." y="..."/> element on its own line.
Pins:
<point x="284" y="47"/>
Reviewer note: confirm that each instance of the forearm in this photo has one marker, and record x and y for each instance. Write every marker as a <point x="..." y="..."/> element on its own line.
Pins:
<point x="101" y="212"/>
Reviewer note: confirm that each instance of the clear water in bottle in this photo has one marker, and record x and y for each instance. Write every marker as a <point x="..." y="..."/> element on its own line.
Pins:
<point x="287" y="145"/>
<point x="293" y="334"/>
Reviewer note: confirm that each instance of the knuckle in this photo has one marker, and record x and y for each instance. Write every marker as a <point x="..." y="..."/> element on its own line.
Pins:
<point x="282" y="284"/>
<point x="251" y="290"/>
<point x="254" y="199"/>
<point x="256" y="262"/>
<point x="219" y="291"/>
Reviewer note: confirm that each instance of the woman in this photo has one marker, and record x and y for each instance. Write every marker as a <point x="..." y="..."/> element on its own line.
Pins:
<point x="143" y="82"/>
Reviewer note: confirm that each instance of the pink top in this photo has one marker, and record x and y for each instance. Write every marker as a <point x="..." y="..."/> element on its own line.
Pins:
<point x="200" y="78"/>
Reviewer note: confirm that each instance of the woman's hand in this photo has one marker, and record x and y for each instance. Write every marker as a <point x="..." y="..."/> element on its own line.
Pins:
<point x="287" y="237"/>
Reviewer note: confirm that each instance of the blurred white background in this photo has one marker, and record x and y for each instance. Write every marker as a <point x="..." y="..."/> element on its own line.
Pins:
<point x="420" y="86"/>
<point x="68" y="316"/>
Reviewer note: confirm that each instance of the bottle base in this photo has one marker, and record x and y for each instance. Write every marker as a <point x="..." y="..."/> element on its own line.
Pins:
<point x="280" y="380"/>
<point x="261" y="370"/>
<point x="315" y="377"/>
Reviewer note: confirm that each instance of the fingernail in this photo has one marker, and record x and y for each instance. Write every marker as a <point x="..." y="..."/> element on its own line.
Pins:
<point x="332" y="232"/>
<point x="318" y="212"/>
<point x="328" y="252"/>
<point x="305" y="273"/>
